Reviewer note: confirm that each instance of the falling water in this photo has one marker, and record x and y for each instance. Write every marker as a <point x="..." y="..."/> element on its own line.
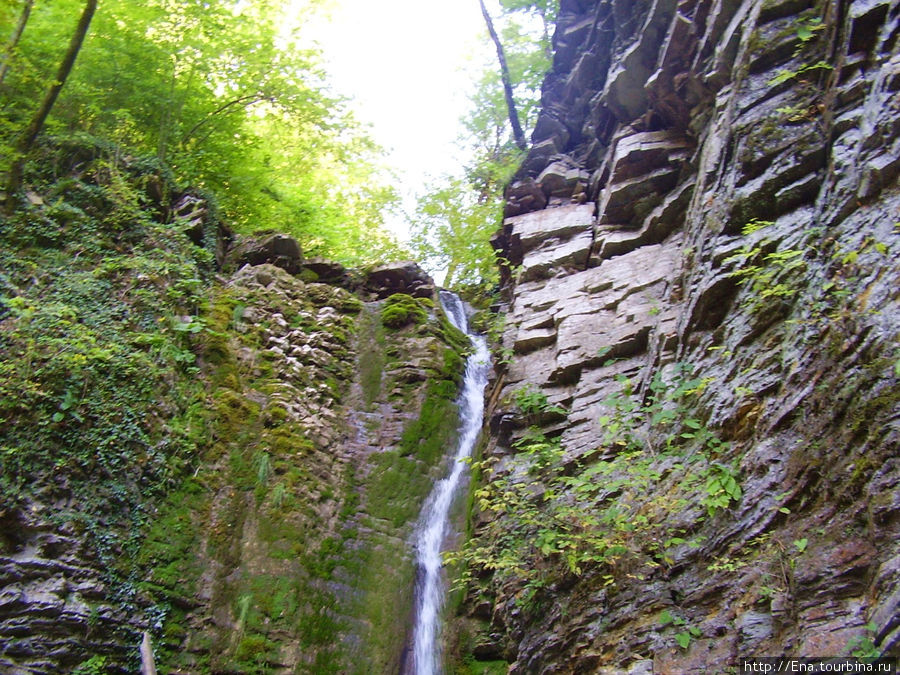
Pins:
<point x="435" y="515"/>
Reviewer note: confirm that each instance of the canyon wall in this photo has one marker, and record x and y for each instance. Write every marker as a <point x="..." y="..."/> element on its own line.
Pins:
<point x="206" y="441"/>
<point x="693" y="449"/>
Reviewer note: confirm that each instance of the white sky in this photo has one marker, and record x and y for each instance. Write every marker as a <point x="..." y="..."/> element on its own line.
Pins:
<point x="403" y="62"/>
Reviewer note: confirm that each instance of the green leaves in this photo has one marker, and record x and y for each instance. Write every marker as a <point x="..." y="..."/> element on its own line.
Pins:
<point x="684" y="637"/>
<point x="721" y="488"/>
<point x="451" y="232"/>
<point x="223" y="93"/>
<point x="784" y="74"/>
<point x="532" y="401"/>
<point x="457" y="215"/>
<point x="764" y="271"/>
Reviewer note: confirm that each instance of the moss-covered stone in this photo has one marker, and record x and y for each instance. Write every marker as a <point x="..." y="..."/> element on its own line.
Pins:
<point x="402" y="310"/>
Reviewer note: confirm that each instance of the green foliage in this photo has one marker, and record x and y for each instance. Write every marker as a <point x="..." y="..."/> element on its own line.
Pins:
<point x="765" y="272"/>
<point x="533" y="403"/>
<point x="721" y="488"/>
<point x="451" y="232"/>
<point x="101" y="307"/>
<point x="688" y="632"/>
<point x="863" y="646"/>
<point x="457" y="215"/>
<point x="806" y="29"/>
<point x="613" y="513"/>
<point x="97" y="341"/>
<point x="785" y="74"/>
<point x="472" y="666"/>
<point x="225" y="94"/>
<point x="96" y="665"/>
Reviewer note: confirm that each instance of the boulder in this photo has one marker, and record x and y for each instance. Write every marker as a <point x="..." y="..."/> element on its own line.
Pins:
<point x="331" y="272"/>
<point x="269" y="247"/>
<point x="523" y="197"/>
<point x="400" y="277"/>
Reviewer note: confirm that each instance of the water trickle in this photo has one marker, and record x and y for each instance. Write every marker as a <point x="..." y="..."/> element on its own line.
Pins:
<point x="432" y="528"/>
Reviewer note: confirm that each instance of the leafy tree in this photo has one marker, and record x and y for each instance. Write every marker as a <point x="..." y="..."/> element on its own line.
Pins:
<point x="10" y="50"/>
<point x="518" y="134"/>
<point x="457" y="214"/>
<point x="29" y="135"/>
<point x="452" y="232"/>
<point x="220" y="91"/>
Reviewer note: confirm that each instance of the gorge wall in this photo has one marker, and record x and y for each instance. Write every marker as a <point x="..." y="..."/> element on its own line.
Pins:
<point x="693" y="451"/>
<point x="206" y="440"/>
<point x="692" y="428"/>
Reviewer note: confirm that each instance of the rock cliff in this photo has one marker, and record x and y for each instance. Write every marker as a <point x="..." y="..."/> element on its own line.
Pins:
<point x="693" y="453"/>
<point x="207" y="440"/>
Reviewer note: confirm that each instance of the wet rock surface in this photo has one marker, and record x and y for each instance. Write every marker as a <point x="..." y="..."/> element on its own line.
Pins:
<point x="738" y="217"/>
<point x="283" y="547"/>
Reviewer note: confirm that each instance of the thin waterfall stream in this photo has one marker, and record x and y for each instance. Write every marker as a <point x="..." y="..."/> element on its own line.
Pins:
<point x="434" y="520"/>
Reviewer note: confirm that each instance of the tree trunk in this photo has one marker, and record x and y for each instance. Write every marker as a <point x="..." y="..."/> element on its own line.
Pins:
<point x="14" y="40"/>
<point x="30" y="134"/>
<point x="518" y="135"/>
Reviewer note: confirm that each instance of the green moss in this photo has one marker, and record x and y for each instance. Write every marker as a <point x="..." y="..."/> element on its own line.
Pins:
<point x="348" y="303"/>
<point x="308" y="276"/>
<point x="371" y="357"/>
<point x="320" y="294"/>
<point x="286" y="439"/>
<point x="255" y="650"/>
<point x="401" y="310"/>
<point x="396" y="489"/>
<point x="431" y="434"/>
<point x="452" y="335"/>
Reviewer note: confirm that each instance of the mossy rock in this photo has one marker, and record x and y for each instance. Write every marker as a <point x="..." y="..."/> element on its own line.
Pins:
<point x="347" y="303"/>
<point x="402" y="310"/>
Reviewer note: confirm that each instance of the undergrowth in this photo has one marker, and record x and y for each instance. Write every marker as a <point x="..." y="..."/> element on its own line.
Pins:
<point x="624" y="512"/>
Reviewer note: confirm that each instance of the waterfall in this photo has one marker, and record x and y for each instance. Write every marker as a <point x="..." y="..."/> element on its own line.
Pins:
<point x="432" y="527"/>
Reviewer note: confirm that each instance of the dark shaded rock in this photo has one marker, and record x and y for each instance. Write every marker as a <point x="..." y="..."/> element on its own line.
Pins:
<point x="561" y="178"/>
<point x="400" y="277"/>
<point x="332" y="273"/>
<point x="539" y="156"/>
<point x="548" y="127"/>
<point x="745" y="230"/>
<point x="275" y="249"/>
<point x="523" y="196"/>
<point x="193" y="212"/>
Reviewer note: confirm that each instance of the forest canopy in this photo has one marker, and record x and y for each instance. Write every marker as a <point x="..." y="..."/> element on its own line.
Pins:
<point x="457" y="215"/>
<point x="221" y="92"/>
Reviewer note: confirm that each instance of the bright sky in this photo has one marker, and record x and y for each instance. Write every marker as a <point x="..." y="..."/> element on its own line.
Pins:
<point x="403" y="62"/>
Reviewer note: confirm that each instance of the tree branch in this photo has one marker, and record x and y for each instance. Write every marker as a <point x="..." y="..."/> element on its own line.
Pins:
<point x="29" y="135"/>
<point x="14" y="40"/>
<point x="245" y="101"/>
<point x="518" y="134"/>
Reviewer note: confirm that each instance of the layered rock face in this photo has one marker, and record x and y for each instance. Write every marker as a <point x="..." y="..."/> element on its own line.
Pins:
<point x="207" y="442"/>
<point x="698" y="411"/>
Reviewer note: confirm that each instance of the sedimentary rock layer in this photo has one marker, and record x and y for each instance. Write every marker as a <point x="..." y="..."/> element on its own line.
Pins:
<point x="712" y="187"/>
